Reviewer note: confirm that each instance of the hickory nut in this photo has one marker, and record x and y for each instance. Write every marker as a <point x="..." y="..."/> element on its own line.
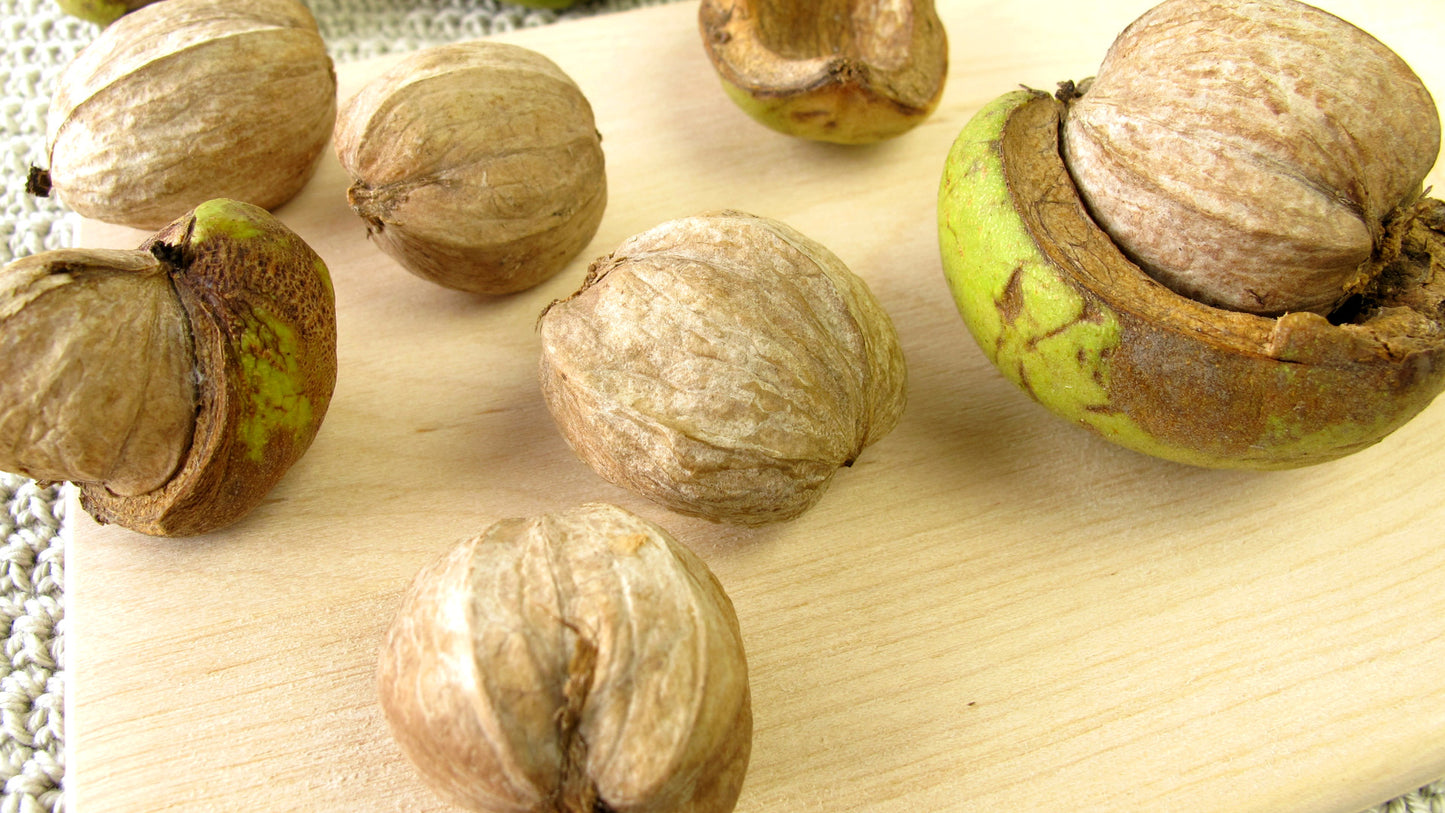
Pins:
<point x="184" y="101"/>
<point x="724" y="366"/>
<point x="176" y="383"/>
<point x="846" y="71"/>
<point x="1252" y="156"/>
<point x="577" y="662"/>
<point x="475" y="165"/>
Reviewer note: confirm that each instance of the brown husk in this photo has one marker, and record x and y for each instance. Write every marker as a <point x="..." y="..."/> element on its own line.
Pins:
<point x="240" y="293"/>
<point x="852" y="71"/>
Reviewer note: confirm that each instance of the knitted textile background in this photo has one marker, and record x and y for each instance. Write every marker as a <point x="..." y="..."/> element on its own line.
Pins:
<point x="36" y="42"/>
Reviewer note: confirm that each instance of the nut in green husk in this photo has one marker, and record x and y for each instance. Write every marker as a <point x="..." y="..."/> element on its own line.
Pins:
<point x="1064" y="312"/>
<point x="845" y="71"/>
<point x="176" y="383"/>
<point x="576" y="662"/>
<point x="722" y="365"/>
<point x="475" y="165"/>
<point x="184" y="101"/>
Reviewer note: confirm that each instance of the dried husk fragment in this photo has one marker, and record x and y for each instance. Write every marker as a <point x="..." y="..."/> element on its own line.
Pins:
<point x="184" y="101"/>
<point x="723" y="365"/>
<point x="175" y="384"/>
<point x="1064" y="314"/>
<point x="1251" y="155"/>
<point x="475" y="165"/>
<point x="581" y="662"/>
<point x="845" y="71"/>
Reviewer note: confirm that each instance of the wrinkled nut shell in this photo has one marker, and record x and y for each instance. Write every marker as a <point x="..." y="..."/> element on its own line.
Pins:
<point x="1062" y="313"/>
<point x="1249" y="155"/>
<point x="98" y="340"/>
<point x="476" y="165"/>
<point x="724" y="366"/>
<point x="843" y="71"/>
<point x="175" y="384"/>
<point x="184" y="101"/>
<point x="578" y="661"/>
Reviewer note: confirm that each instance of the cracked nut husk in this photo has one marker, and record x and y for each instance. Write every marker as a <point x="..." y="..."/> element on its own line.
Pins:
<point x="1042" y="199"/>
<point x="1065" y="315"/>
<point x="184" y="101"/>
<point x="722" y="365"/>
<point x="1064" y="311"/>
<point x="577" y="662"/>
<point x="475" y="165"/>
<point x="175" y="383"/>
<point x="844" y="71"/>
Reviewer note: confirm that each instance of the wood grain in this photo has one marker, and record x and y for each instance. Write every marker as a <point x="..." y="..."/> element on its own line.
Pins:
<point x="992" y="610"/>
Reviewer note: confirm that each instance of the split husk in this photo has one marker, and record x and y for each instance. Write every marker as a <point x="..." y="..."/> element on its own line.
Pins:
<point x="1064" y="314"/>
<point x="176" y="383"/>
<point x="844" y="71"/>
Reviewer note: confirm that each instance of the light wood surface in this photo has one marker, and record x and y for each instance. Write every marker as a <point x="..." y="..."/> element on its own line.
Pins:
<point x="993" y="610"/>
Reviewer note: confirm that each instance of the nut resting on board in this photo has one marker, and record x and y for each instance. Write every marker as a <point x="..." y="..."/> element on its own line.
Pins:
<point x="1068" y="314"/>
<point x="582" y="661"/>
<point x="1315" y="136"/>
<point x="175" y="384"/>
<point x="184" y="101"/>
<point x="724" y="366"/>
<point x="475" y="165"/>
<point x="845" y="71"/>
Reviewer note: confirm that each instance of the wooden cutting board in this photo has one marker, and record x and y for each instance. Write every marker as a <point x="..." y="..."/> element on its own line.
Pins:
<point x="993" y="610"/>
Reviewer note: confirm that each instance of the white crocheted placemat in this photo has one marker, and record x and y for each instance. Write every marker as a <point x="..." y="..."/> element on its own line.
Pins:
<point x="36" y="42"/>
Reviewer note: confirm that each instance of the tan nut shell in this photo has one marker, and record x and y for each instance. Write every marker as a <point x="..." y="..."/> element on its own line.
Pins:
<point x="101" y="341"/>
<point x="476" y="165"/>
<point x="724" y="366"/>
<point x="1247" y="155"/>
<point x="100" y="12"/>
<point x="184" y="101"/>
<point x="578" y="661"/>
